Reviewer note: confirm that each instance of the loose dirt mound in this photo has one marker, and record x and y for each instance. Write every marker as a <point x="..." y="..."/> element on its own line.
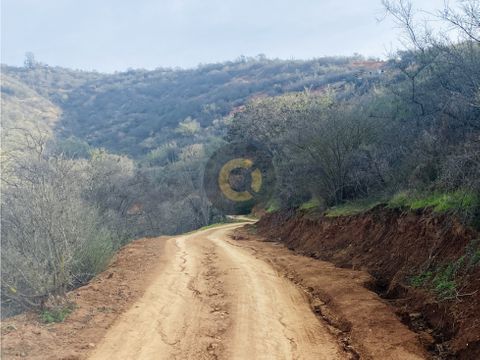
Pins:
<point x="394" y="246"/>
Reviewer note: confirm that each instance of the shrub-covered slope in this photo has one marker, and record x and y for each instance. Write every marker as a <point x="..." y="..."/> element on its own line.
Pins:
<point x="136" y="111"/>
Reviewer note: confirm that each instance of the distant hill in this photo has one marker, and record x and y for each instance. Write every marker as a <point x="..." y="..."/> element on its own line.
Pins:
<point x="136" y="111"/>
<point x="24" y="109"/>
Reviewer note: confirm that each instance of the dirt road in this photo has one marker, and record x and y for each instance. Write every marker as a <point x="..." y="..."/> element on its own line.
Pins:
<point x="212" y="300"/>
<point x="205" y="295"/>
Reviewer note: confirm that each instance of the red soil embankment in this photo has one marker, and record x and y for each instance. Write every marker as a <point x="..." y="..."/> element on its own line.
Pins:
<point x="393" y="246"/>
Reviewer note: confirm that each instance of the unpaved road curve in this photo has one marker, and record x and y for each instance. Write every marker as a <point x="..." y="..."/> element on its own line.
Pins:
<point x="215" y="300"/>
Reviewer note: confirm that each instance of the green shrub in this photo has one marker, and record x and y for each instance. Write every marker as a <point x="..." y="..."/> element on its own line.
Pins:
<point x="399" y="200"/>
<point x="94" y="256"/>
<point x="444" y="282"/>
<point x="444" y="279"/>
<point x="445" y="289"/>
<point x="421" y="279"/>
<point x="188" y="127"/>
<point x="441" y="281"/>
<point x="56" y="314"/>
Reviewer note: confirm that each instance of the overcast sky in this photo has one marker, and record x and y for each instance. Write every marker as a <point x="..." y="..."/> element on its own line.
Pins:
<point x="109" y="35"/>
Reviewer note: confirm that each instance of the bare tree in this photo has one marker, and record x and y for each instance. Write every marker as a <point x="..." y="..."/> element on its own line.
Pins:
<point x="54" y="236"/>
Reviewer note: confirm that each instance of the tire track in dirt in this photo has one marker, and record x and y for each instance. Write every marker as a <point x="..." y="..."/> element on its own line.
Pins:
<point x="205" y="296"/>
<point x="213" y="300"/>
<point x="217" y="298"/>
<point x="269" y="313"/>
<point x="364" y="325"/>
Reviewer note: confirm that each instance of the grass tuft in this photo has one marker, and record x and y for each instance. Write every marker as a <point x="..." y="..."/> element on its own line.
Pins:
<point x="311" y="204"/>
<point x="352" y="208"/>
<point x="272" y="206"/>
<point x="56" y="314"/>
<point x="443" y="280"/>
<point x="459" y="200"/>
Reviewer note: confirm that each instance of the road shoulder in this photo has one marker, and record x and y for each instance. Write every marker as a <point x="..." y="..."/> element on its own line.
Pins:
<point x="364" y="324"/>
<point x="98" y="305"/>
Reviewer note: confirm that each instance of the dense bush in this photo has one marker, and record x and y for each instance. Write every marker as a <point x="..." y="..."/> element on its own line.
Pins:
<point x="53" y="237"/>
<point x="417" y="129"/>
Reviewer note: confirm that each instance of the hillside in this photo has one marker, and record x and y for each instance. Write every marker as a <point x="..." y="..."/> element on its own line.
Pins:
<point x="23" y="107"/>
<point x="127" y="159"/>
<point x="137" y="111"/>
<point x="258" y="208"/>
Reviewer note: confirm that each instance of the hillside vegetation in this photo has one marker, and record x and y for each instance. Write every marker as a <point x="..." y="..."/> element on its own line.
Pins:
<point x="136" y="111"/>
<point x="24" y="107"/>
<point x="97" y="159"/>
<point x="411" y="140"/>
<point x="129" y="149"/>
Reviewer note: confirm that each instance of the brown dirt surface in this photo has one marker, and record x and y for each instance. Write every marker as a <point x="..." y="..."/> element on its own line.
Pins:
<point x="98" y="305"/>
<point x="215" y="300"/>
<point x="205" y="295"/>
<point x="393" y="246"/>
<point x="364" y="324"/>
